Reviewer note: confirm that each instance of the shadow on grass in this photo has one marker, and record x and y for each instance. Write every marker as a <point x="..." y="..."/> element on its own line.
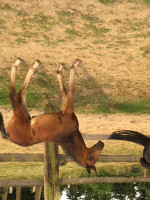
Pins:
<point x="95" y="100"/>
<point x="89" y="95"/>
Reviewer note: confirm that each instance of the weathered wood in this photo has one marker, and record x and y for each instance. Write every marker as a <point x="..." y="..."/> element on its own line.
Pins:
<point x="15" y="183"/>
<point x="18" y="193"/>
<point x="16" y="157"/>
<point x="118" y="158"/>
<point x="4" y="196"/>
<point x="95" y="137"/>
<point x="38" y="190"/>
<point x="63" y="158"/>
<point x="73" y="181"/>
<point x="51" y="172"/>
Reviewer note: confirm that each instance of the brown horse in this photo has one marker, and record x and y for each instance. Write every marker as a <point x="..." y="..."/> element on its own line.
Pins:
<point x="138" y="138"/>
<point x="61" y="127"/>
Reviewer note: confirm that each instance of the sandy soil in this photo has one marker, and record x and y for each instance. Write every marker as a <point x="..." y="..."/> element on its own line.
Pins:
<point x="95" y="124"/>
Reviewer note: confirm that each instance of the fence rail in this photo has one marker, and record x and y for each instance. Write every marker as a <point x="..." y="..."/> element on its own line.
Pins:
<point x="63" y="158"/>
<point x="72" y="181"/>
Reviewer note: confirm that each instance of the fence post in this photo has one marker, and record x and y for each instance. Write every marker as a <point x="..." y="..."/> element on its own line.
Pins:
<point x="18" y="193"/>
<point x="38" y="192"/>
<point x="4" y="196"/>
<point x="51" y="172"/>
<point x="51" y="166"/>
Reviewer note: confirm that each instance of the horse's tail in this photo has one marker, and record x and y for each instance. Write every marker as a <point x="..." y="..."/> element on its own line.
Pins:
<point x="131" y="136"/>
<point x="2" y="129"/>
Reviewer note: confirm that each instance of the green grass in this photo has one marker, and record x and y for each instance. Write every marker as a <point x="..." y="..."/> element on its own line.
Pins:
<point x="113" y="105"/>
<point x="147" y="2"/>
<point x="107" y="2"/>
<point x="96" y="30"/>
<point x="6" y="7"/>
<point x="16" y="170"/>
<point x="66" y="17"/>
<point x="90" y="18"/>
<point x="4" y="98"/>
<point x="72" y="33"/>
<point x="42" y="88"/>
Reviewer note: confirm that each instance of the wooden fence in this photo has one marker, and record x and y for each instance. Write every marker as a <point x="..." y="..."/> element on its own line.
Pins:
<point x="52" y="160"/>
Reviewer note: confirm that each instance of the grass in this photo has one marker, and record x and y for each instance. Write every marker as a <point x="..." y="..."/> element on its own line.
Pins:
<point x="72" y="33"/>
<point x="102" y="103"/>
<point x="6" y="7"/>
<point x="129" y="106"/>
<point x="147" y="2"/>
<point x="65" y="17"/>
<point x="40" y="90"/>
<point x="107" y="2"/>
<point x="99" y="32"/>
<point x="13" y="171"/>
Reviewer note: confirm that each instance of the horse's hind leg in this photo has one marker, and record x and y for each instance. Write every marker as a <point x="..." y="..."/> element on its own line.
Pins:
<point x="13" y="96"/>
<point x="62" y="87"/>
<point x="70" y="97"/>
<point x="23" y="90"/>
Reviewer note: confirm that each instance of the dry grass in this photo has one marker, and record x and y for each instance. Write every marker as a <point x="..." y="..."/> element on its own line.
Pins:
<point x="113" y="42"/>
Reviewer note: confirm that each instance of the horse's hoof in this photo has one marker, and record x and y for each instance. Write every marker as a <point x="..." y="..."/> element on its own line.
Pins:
<point x="18" y="61"/>
<point x="36" y="64"/>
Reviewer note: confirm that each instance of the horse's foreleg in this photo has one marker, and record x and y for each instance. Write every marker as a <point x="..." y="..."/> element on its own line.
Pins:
<point x="62" y="87"/>
<point x="70" y="97"/>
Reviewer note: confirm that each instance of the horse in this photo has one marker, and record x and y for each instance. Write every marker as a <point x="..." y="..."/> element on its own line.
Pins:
<point x="138" y="138"/>
<point x="58" y="127"/>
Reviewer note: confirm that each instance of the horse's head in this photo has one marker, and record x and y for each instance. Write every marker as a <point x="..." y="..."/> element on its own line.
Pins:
<point x="93" y="155"/>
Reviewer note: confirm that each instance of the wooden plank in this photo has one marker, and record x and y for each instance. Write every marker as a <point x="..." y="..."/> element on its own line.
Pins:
<point x="18" y="193"/>
<point x="38" y="190"/>
<point x="64" y="157"/>
<point x="95" y="137"/>
<point x="73" y="181"/>
<point x="15" y="183"/>
<point x="118" y="158"/>
<point x="16" y="157"/>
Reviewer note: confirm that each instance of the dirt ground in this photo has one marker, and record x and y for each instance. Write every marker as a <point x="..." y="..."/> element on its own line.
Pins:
<point x="96" y="124"/>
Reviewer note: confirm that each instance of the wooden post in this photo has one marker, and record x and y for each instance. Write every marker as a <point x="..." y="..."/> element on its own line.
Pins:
<point x="4" y="196"/>
<point x="51" y="172"/>
<point x="38" y="192"/>
<point x="51" y="166"/>
<point x="18" y="193"/>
